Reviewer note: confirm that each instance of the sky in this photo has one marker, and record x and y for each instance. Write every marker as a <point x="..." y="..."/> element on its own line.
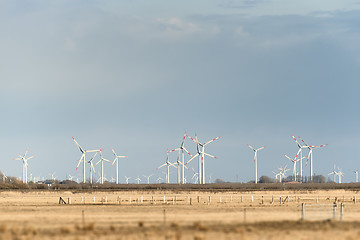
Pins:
<point x="135" y="75"/>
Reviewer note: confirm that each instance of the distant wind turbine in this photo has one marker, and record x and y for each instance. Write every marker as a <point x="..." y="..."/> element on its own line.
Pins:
<point x="255" y="159"/>
<point x="25" y="164"/>
<point x="117" y="164"/>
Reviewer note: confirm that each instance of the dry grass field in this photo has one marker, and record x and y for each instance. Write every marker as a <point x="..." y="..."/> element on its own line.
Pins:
<point x="35" y="214"/>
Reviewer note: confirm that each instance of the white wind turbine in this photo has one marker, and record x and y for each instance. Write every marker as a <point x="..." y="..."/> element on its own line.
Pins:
<point x="92" y="168"/>
<point x="301" y="157"/>
<point x="294" y="164"/>
<point x="117" y="164"/>
<point x="102" y="159"/>
<point x="340" y="174"/>
<point x="127" y="179"/>
<point x="201" y="154"/>
<point x="276" y="176"/>
<point x="356" y="176"/>
<point x="167" y="164"/>
<point x="181" y="150"/>
<point x="282" y="173"/>
<point x="148" y="178"/>
<point x="52" y="176"/>
<point x="25" y="164"/>
<point x="138" y="180"/>
<point x="255" y="159"/>
<point x="82" y="158"/>
<point x="159" y="179"/>
<point x="311" y="148"/>
<point x="195" y="177"/>
<point x="334" y="174"/>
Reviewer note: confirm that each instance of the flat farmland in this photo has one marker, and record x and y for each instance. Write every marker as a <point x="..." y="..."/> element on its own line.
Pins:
<point x="174" y="214"/>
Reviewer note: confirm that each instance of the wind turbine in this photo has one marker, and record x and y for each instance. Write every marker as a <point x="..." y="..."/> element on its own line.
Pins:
<point x="138" y="180"/>
<point x="102" y="159"/>
<point x="311" y="157"/>
<point x="92" y="167"/>
<point x="301" y="157"/>
<point x="127" y="179"/>
<point x="356" y="176"/>
<point x="195" y="177"/>
<point x="181" y="151"/>
<point x="201" y="153"/>
<point x="82" y="158"/>
<point x="282" y="173"/>
<point x="339" y="174"/>
<point x="148" y="178"/>
<point x="294" y="162"/>
<point x="159" y="179"/>
<point x="334" y="174"/>
<point x="25" y="164"/>
<point x="52" y="176"/>
<point x="167" y="164"/>
<point x="255" y="159"/>
<point x="117" y="164"/>
<point x="276" y="176"/>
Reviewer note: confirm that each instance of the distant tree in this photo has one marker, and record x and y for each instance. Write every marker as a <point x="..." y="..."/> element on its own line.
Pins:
<point x="319" y="179"/>
<point x="218" y="180"/>
<point x="265" y="179"/>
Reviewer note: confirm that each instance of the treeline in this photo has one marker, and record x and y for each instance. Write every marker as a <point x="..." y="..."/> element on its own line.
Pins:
<point x="265" y="183"/>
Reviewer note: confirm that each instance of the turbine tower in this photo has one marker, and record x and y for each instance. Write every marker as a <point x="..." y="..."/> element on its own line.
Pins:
<point x="25" y="164"/>
<point x="167" y="164"/>
<point x="356" y="176"/>
<point x="102" y="159"/>
<point x="255" y="159"/>
<point x="117" y="164"/>
<point x="82" y="158"/>
<point x="201" y="153"/>
<point x="311" y="148"/>
<point x="181" y="151"/>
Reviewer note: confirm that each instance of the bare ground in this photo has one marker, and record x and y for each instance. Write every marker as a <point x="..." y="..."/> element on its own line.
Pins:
<point x="182" y="215"/>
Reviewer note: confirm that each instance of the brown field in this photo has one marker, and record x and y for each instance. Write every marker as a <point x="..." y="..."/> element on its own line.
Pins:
<point x="144" y="214"/>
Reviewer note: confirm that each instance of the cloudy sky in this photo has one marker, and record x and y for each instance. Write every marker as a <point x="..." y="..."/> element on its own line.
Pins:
<point x="134" y="75"/>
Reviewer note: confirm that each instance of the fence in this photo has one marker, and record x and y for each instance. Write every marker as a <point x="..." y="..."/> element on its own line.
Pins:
<point x="327" y="211"/>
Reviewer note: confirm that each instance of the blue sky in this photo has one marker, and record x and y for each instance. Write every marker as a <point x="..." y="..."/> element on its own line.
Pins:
<point x="135" y="75"/>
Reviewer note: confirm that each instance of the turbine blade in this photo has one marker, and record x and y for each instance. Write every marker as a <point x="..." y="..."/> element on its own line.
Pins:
<point x="212" y="140"/>
<point x="80" y="148"/>
<point x="209" y="155"/>
<point x="192" y="158"/>
<point x="251" y="147"/>
<point x="260" y="148"/>
<point x="187" y="151"/>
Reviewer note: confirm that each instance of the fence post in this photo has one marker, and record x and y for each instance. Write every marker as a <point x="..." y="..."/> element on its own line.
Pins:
<point x="252" y="198"/>
<point x="280" y="200"/>
<point x="209" y="201"/>
<point x="341" y="211"/>
<point x="231" y="198"/>
<point x="303" y="211"/>
<point x="334" y="210"/>
<point x="69" y="200"/>
<point x="164" y="198"/>
<point x="354" y="199"/>
<point x="94" y="199"/>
